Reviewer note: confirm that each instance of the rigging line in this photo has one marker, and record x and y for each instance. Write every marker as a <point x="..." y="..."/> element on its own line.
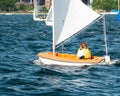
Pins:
<point x="105" y="37"/>
<point x="62" y="47"/>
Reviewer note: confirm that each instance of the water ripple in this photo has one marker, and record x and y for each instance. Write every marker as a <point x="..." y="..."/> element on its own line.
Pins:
<point x="21" y="39"/>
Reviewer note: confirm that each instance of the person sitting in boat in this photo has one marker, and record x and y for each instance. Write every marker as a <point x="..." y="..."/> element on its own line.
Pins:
<point x="83" y="52"/>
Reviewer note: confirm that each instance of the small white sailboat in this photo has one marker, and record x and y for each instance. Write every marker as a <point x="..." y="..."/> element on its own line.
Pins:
<point x="36" y="16"/>
<point x="68" y="17"/>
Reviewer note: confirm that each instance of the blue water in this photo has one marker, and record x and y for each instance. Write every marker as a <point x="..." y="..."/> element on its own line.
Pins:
<point x="21" y="39"/>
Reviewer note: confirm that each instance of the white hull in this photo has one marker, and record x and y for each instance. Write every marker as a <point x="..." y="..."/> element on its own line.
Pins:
<point x="111" y="13"/>
<point x="44" y="61"/>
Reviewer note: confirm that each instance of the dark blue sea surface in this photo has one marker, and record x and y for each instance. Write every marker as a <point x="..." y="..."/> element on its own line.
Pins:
<point x="21" y="39"/>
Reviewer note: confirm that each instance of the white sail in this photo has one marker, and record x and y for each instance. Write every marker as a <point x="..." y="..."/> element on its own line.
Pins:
<point x="36" y="11"/>
<point x="70" y="16"/>
<point x="49" y="18"/>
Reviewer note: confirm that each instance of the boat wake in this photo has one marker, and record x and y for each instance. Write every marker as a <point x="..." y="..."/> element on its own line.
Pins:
<point x="110" y="63"/>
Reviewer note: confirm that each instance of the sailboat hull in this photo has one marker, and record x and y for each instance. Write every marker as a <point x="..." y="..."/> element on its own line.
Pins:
<point x="48" y="58"/>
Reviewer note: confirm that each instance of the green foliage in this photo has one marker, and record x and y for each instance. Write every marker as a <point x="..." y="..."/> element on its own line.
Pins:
<point x="7" y="5"/>
<point x="29" y="8"/>
<point x="106" y="5"/>
<point x="22" y="7"/>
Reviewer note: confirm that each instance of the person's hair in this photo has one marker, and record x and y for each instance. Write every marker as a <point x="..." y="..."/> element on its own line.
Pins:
<point x="83" y="45"/>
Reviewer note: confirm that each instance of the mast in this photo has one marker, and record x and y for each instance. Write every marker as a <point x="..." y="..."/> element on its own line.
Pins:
<point x="53" y="31"/>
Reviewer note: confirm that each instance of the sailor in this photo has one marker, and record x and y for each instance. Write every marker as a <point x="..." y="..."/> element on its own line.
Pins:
<point x="83" y="52"/>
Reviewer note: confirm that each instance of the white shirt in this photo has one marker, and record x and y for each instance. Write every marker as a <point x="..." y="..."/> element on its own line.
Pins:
<point x="80" y="53"/>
